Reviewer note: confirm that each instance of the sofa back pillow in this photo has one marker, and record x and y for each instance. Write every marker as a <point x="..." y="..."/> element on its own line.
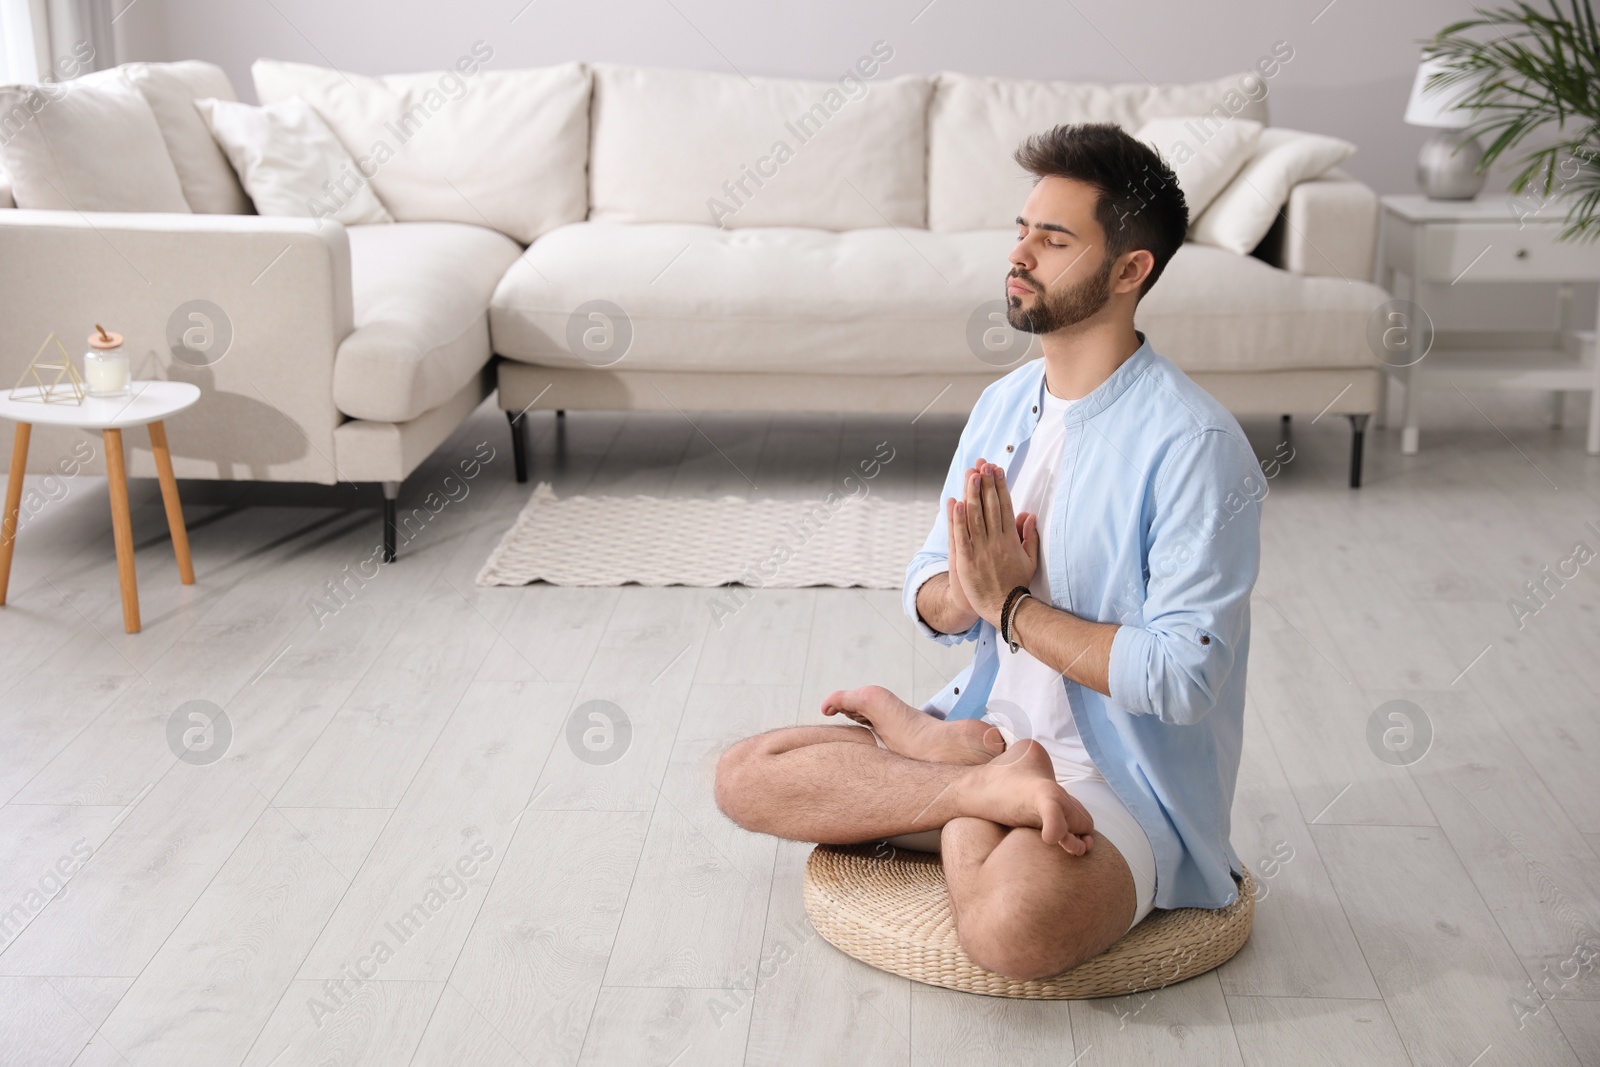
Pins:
<point x="721" y="149"/>
<point x="1242" y="213"/>
<point x="976" y="123"/>
<point x="505" y="149"/>
<point x="90" y="144"/>
<point x="290" y="162"/>
<point x="209" y="184"/>
<point x="1204" y="160"/>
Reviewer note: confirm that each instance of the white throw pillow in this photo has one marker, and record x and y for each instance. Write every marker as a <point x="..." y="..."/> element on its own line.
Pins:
<point x="721" y="149"/>
<point x="975" y="123"/>
<point x="91" y="144"/>
<point x="1242" y="213"/>
<point x="1203" y="152"/>
<point x="291" y="163"/>
<point x="209" y="183"/>
<point x="508" y="149"/>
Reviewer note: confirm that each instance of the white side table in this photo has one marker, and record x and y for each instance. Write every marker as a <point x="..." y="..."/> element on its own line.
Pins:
<point x="1436" y="244"/>
<point x="148" y="404"/>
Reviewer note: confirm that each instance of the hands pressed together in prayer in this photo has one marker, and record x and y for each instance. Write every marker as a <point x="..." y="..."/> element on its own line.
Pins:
<point x="992" y="549"/>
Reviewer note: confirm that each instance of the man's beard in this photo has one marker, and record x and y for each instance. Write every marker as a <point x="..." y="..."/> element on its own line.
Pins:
<point x="1054" y="311"/>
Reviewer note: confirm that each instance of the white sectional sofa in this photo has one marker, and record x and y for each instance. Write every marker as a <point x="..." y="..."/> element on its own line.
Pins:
<point x="625" y="238"/>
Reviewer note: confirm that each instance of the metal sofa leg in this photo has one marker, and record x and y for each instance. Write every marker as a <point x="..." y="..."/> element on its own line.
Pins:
<point x="1358" y="435"/>
<point x="391" y="493"/>
<point x="519" y="443"/>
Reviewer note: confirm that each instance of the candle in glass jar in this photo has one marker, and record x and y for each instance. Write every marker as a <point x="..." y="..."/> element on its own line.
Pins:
<point x="106" y="370"/>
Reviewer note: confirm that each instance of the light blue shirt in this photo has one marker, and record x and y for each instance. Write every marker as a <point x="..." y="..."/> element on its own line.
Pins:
<point x="1156" y="525"/>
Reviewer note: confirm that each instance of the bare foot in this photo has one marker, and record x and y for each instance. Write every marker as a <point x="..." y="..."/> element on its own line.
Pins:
<point x="1019" y="788"/>
<point x="912" y="733"/>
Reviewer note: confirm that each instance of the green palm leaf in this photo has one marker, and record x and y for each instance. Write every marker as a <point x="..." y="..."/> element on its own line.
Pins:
<point x="1530" y="70"/>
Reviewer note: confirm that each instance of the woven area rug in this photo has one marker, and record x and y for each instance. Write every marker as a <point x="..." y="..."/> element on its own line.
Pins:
<point x="786" y="544"/>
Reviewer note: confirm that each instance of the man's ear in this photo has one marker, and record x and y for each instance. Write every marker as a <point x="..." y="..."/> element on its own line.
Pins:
<point x="1132" y="269"/>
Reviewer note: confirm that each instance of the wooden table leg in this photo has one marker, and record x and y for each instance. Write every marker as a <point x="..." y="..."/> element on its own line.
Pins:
<point x="122" y="528"/>
<point x="169" y="497"/>
<point x="8" y="526"/>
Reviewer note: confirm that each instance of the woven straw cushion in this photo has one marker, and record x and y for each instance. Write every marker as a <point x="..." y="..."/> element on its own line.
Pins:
<point x="894" y="913"/>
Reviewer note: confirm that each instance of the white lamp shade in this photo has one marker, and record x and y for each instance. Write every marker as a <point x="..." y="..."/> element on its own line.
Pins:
<point x="1436" y="107"/>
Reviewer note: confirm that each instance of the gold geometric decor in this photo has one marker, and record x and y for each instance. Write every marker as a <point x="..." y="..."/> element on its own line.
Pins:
<point x="66" y="387"/>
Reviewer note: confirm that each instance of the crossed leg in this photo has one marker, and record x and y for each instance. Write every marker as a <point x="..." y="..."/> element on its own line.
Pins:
<point x="1033" y="892"/>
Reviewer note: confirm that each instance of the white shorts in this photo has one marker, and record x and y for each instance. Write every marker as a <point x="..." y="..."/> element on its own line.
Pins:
<point x="1111" y="820"/>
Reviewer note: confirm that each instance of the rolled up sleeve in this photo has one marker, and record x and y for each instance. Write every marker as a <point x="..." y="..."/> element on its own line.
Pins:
<point x="1203" y="552"/>
<point x="924" y="566"/>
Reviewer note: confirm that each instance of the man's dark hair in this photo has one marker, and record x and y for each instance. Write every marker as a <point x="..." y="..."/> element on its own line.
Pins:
<point x="1140" y="204"/>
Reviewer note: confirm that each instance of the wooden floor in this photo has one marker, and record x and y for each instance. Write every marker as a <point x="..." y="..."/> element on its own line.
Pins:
<point x="1442" y="912"/>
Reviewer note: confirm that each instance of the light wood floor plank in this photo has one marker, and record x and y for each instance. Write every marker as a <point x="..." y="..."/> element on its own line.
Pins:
<point x="534" y="974"/>
<point x="458" y="1033"/>
<point x="755" y="645"/>
<point x="425" y="878"/>
<point x="1544" y="705"/>
<point x="176" y="835"/>
<point x="1451" y="981"/>
<point x="1320" y="1030"/>
<point x="1319" y="733"/>
<point x="1528" y="862"/>
<point x="135" y="891"/>
<point x="855" y="639"/>
<point x="664" y="1026"/>
<point x="643" y="667"/>
<point x="698" y="908"/>
<point x="724" y="457"/>
<point x="42" y="847"/>
<point x="378" y="1024"/>
<point x="1580" y="1022"/>
<point x="954" y="1029"/>
<point x="1183" y="1023"/>
<point x="384" y="731"/>
<point x="50" y="1020"/>
<point x="813" y="1004"/>
<point x="212" y="985"/>
<point x="1297" y="913"/>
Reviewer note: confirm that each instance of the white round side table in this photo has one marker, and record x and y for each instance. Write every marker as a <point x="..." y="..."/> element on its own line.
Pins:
<point x="147" y="404"/>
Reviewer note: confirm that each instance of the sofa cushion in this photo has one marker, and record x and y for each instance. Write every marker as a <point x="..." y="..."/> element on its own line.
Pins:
<point x="694" y="146"/>
<point x="90" y="144"/>
<point x="209" y="184"/>
<point x="883" y="301"/>
<point x="976" y="123"/>
<point x="421" y="292"/>
<point x="1216" y="311"/>
<point x="505" y="149"/>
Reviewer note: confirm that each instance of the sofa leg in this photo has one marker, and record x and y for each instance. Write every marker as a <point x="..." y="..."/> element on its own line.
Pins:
<point x="1358" y="435"/>
<point x="391" y="493"/>
<point x="519" y="444"/>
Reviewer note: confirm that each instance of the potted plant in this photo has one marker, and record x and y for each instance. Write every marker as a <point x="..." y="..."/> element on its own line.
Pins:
<point x="1538" y="70"/>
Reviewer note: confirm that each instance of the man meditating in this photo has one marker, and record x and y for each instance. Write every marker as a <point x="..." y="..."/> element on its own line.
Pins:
<point x="1100" y="538"/>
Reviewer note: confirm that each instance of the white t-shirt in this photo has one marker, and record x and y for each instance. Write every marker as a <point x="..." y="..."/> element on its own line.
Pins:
<point x="1023" y="683"/>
